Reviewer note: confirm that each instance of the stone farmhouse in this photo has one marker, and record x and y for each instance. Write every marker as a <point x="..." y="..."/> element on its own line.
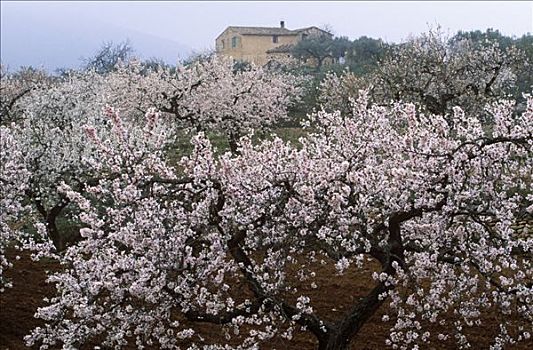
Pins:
<point x="262" y="45"/>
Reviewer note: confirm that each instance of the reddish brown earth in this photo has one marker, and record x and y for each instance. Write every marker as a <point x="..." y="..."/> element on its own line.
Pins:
<point x="18" y="305"/>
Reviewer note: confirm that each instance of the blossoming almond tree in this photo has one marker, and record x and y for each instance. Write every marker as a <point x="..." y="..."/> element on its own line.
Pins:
<point x="52" y="140"/>
<point x="210" y="95"/>
<point x="13" y="183"/>
<point x="14" y="87"/>
<point x="430" y="199"/>
<point x="435" y="73"/>
<point x="50" y="136"/>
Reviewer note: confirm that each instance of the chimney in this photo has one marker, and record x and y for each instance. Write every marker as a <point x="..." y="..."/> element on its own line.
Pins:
<point x="282" y="24"/>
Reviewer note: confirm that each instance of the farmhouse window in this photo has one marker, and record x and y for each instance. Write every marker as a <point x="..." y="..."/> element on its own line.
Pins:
<point x="234" y="41"/>
<point x="274" y="38"/>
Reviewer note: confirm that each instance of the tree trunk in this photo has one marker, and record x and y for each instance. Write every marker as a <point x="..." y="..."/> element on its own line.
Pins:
<point x="334" y="341"/>
<point x="50" y="219"/>
<point x="339" y="335"/>
<point x="233" y="144"/>
<point x="53" y="232"/>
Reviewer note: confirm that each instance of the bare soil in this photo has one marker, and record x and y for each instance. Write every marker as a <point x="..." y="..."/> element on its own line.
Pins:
<point x="333" y="297"/>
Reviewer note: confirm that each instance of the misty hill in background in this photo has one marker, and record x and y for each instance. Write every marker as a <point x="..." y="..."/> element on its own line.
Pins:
<point x="64" y="43"/>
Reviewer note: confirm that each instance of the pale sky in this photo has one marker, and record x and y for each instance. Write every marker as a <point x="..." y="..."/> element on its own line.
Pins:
<point x="59" y="33"/>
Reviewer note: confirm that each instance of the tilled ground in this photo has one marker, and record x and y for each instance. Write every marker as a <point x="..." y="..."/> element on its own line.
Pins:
<point x="332" y="298"/>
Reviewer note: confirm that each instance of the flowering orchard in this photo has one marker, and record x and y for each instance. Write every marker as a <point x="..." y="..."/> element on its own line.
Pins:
<point x="431" y="201"/>
<point x="428" y="198"/>
<point x="203" y="96"/>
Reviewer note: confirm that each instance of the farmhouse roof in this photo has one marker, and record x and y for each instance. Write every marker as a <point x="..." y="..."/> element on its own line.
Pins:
<point x="309" y="28"/>
<point x="281" y="30"/>
<point x="262" y="30"/>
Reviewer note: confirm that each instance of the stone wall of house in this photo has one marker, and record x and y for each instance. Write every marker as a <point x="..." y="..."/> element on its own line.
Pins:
<point x="278" y="56"/>
<point x="251" y="48"/>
